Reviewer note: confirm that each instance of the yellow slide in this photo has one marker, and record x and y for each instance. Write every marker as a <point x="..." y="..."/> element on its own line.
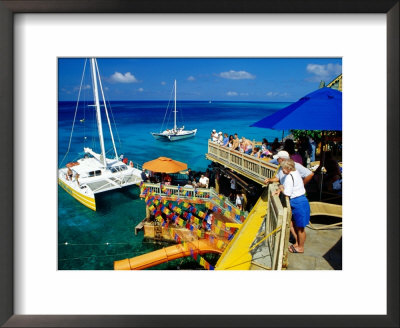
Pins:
<point x="237" y="256"/>
<point x="163" y="255"/>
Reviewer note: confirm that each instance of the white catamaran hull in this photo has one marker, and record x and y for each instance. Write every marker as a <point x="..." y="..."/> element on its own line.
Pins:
<point x="85" y="191"/>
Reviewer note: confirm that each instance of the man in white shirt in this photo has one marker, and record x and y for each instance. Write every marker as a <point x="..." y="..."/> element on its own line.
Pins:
<point x="305" y="173"/>
<point x="203" y="181"/>
<point x="214" y="136"/>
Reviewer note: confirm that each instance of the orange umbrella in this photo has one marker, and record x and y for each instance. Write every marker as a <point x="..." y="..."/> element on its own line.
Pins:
<point x="164" y="165"/>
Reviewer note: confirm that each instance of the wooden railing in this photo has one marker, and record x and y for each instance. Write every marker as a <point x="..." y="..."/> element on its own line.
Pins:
<point x="254" y="168"/>
<point x="277" y="216"/>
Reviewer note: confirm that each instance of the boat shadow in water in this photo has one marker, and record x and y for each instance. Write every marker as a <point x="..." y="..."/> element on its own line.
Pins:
<point x="109" y="201"/>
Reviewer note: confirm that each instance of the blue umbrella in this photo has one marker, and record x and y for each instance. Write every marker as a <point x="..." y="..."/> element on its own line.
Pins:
<point x="319" y="110"/>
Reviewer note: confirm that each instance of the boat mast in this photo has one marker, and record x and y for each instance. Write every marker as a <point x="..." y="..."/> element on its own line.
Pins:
<point x="105" y="108"/>
<point x="175" y="106"/>
<point x="98" y="114"/>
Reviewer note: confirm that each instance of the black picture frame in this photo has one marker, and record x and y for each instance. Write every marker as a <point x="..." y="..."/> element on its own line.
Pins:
<point x="10" y="7"/>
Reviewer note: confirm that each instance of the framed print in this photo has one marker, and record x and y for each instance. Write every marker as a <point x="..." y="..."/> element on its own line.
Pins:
<point x="38" y="41"/>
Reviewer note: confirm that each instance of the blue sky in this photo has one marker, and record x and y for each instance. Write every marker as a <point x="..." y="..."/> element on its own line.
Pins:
<point x="218" y="79"/>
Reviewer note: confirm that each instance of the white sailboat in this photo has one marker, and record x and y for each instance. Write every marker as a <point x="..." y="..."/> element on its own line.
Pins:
<point x="175" y="133"/>
<point x="95" y="173"/>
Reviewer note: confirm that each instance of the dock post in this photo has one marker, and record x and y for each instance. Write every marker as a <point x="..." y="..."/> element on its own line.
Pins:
<point x="147" y="212"/>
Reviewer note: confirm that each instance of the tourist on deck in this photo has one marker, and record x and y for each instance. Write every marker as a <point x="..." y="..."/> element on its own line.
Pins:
<point x="256" y="152"/>
<point x="305" y="173"/>
<point x="225" y="141"/>
<point x="214" y="136"/>
<point x="313" y="146"/>
<point x="167" y="179"/>
<point x="236" y="142"/>
<point x="332" y="174"/>
<point x="230" y="142"/>
<point x="69" y="174"/>
<point x="188" y="184"/>
<point x="290" y="148"/>
<point x="233" y="188"/>
<point x="247" y="146"/>
<point x="190" y="175"/>
<point x="210" y="219"/>
<point x="265" y="149"/>
<point x="265" y="144"/>
<point x="275" y="145"/>
<point x="293" y="187"/>
<point x="220" y="138"/>
<point x="203" y="182"/>
<point x="76" y="179"/>
<point x="144" y="175"/>
<point x="304" y="147"/>
<point x="239" y="201"/>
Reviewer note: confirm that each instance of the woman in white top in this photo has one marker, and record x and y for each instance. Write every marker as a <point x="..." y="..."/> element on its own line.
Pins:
<point x="293" y="187"/>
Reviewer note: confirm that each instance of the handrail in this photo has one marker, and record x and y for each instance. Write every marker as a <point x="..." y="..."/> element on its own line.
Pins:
<point x="254" y="168"/>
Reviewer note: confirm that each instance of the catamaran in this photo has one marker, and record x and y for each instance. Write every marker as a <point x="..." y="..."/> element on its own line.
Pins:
<point x="175" y="133"/>
<point x="95" y="173"/>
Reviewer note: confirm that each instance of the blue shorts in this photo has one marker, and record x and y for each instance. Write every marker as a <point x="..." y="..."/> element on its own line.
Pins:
<point x="300" y="211"/>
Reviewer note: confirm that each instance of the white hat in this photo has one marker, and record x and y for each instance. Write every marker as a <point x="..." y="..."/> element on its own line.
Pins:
<point x="214" y="130"/>
<point x="282" y="154"/>
<point x="219" y="132"/>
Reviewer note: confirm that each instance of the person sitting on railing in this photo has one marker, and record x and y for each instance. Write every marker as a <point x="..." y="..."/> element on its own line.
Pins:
<point x="203" y="182"/>
<point x="236" y="143"/>
<point x="293" y="187"/>
<point x="214" y="136"/>
<point x="247" y="146"/>
<point x="225" y="141"/>
<point x="256" y="152"/>
<point x="230" y="141"/>
<point x="220" y="138"/>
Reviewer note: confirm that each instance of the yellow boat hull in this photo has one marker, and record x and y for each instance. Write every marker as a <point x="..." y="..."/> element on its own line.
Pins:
<point x="89" y="202"/>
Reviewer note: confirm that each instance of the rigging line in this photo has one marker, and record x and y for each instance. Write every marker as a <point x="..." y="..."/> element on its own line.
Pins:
<point x="76" y="109"/>
<point x="115" y="124"/>
<point x="169" y="101"/>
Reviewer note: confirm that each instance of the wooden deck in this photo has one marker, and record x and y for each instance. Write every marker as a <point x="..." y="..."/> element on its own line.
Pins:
<point x="256" y="169"/>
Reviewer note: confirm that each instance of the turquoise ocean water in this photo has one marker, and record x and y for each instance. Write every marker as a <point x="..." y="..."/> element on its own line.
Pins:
<point x="90" y="240"/>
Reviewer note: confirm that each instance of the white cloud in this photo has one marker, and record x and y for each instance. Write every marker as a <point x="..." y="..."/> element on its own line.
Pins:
<point x="231" y="93"/>
<point x="324" y="72"/>
<point x="84" y="87"/>
<point x="244" y="93"/>
<point x="237" y="75"/>
<point x="118" y="77"/>
<point x="276" y="94"/>
<point x="140" y="89"/>
<point x="191" y="78"/>
<point x="163" y="83"/>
